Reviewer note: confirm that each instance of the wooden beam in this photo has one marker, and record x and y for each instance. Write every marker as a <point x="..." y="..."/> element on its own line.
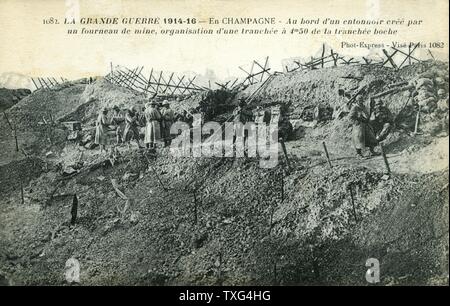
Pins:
<point x="323" y="53"/>
<point x="35" y="85"/>
<point x="408" y="56"/>
<point x="178" y="85"/>
<point x="159" y="80"/>
<point x="389" y="58"/>
<point x="168" y="83"/>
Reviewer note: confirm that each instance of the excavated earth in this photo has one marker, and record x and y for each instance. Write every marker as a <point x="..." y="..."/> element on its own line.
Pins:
<point x="209" y="221"/>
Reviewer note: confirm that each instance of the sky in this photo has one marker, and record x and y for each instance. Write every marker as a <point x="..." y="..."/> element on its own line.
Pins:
<point x="29" y="47"/>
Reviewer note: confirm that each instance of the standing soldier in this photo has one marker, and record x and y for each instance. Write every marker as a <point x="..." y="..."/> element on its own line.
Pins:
<point x="101" y="129"/>
<point x="260" y="118"/>
<point x="381" y="121"/>
<point x="131" y="128"/>
<point x="168" y="117"/>
<point x="241" y="115"/>
<point x="118" y="121"/>
<point x="152" y="128"/>
<point x="362" y="134"/>
<point x="259" y="115"/>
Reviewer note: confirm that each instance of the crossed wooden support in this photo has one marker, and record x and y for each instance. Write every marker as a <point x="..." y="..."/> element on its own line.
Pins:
<point x="255" y="77"/>
<point x="48" y="83"/>
<point x="156" y="83"/>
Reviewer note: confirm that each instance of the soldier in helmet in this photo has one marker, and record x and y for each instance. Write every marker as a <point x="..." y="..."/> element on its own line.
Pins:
<point x="153" y="124"/>
<point x="381" y="120"/>
<point x="168" y="117"/>
<point x="362" y="133"/>
<point x="241" y="115"/>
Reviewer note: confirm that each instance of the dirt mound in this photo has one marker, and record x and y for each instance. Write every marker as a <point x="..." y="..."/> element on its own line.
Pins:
<point x="309" y="88"/>
<point x="102" y="94"/>
<point x="225" y="221"/>
<point x="9" y="97"/>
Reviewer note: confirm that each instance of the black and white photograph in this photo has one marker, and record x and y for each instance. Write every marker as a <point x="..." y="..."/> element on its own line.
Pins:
<point x="224" y="143"/>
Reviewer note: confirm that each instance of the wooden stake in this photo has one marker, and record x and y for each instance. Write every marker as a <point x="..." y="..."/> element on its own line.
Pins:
<point x="389" y="58"/>
<point x="13" y="129"/>
<point x="195" y="207"/>
<point x="74" y="210"/>
<point x="326" y="153"/>
<point x="35" y="85"/>
<point x="323" y="54"/>
<point x="283" y="146"/>
<point x="385" y="160"/>
<point x="416" y="127"/>
<point x="353" y="203"/>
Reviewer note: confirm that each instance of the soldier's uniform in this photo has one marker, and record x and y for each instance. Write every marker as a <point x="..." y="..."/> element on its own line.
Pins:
<point x="381" y="121"/>
<point x="168" y="117"/>
<point x="362" y="133"/>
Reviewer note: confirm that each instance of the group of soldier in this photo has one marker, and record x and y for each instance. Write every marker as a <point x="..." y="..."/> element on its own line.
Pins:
<point x="156" y="119"/>
<point x="369" y="129"/>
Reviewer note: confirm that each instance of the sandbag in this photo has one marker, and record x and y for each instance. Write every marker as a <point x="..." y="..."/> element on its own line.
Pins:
<point x="424" y="94"/>
<point x="423" y="82"/>
<point x="443" y="105"/>
<point x="439" y="81"/>
<point x="427" y="101"/>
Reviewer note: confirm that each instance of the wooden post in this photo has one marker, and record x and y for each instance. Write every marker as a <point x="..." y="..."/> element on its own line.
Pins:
<point x="251" y="73"/>
<point x="326" y="153"/>
<point x="13" y="129"/>
<point x="195" y="206"/>
<point x="265" y="65"/>
<point x="35" y="85"/>
<point x="283" y="146"/>
<point x="74" y="210"/>
<point x="389" y="58"/>
<point x="416" y="127"/>
<point x="353" y="203"/>
<point x="15" y="139"/>
<point x="409" y="52"/>
<point x="40" y="82"/>
<point x="219" y="276"/>
<point x="323" y="54"/>
<point x="272" y="211"/>
<point x="46" y="85"/>
<point x="385" y="160"/>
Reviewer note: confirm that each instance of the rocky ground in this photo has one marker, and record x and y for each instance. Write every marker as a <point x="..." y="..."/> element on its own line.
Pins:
<point x="226" y="220"/>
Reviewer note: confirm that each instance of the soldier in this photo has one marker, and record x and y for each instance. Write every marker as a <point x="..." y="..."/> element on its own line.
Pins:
<point x="381" y="121"/>
<point x="284" y="125"/>
<point x="118" y="121"/>
<point x="152" y="128"/>
<point x="362" y="133"/>
<point x="241" y="112"/>
<point x="442" y="104"/>
<point x="259" y="115"/>
<point x="168" y="118"/>
<point x="131" y="128"/>
<point x="242" y="115"/>
<point x="101" y="129"/>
